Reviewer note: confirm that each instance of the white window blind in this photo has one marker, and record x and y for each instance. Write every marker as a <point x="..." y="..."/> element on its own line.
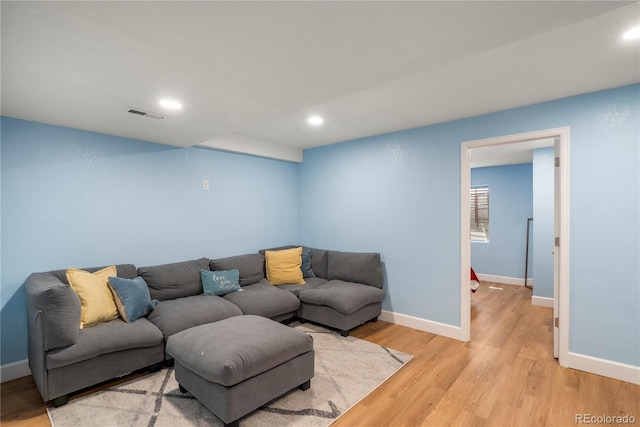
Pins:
<point x="479" y="213"/>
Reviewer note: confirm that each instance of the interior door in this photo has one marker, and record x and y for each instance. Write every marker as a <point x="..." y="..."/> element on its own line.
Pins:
<point x="556" y="247"/>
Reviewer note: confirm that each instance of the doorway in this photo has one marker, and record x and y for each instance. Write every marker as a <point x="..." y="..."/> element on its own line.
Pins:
<point x="561" y="251"/>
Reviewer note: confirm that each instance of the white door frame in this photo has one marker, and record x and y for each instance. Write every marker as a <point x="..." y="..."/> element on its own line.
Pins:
<point x="562" y="134"/>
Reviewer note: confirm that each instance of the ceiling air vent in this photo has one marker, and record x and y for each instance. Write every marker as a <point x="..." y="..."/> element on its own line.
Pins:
<point x="140" y="112"/>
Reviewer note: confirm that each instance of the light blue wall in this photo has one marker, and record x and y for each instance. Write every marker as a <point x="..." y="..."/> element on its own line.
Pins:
<point x="399" y="194"/>
<point x="387" y="194"/>
<point x="63" y="192"/>
<point x="543" y="230"/>
<point x="76" y="198"/>
<point x="510" y="204"/>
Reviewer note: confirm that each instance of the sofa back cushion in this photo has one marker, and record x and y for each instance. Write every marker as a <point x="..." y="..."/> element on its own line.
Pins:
<point x="319" y="262"/>
<point x="251" y="267"/>
<point x="126" y="271"/>
<point x="355" y="267"/>
<point x="175" y="280"/>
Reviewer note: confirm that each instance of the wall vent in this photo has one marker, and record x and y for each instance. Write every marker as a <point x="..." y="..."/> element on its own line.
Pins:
<point x="140" y="112"/>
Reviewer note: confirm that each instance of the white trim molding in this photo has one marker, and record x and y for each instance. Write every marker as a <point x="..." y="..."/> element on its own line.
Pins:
<point x="465" y="242"/>
<point x="425" y="325"/>
<point x="542" y="301"/>
<point x="606" y="368"/>
<point x="14" y="370"/>
<point x="561" y="138"/>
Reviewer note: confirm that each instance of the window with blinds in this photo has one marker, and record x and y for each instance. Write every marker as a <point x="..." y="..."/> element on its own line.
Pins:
<point x="480" y="213"/>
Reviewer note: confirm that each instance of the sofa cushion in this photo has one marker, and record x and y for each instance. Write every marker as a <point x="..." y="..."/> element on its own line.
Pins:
<point x="103" y="338"/>
<point x="175" y="280"/>
<point x="264" y="300"/>
<point x="310" y="283"/>
<point x="345" y="297"/>
<point x="220" y="282"/>
<point x="183" y="313"/>
<point x="319" y="262"/>
<point x="95" y="295"/>
<point x="277" y="248"/>
<point x="283" y="266"/>
<point x="132" y="297"/>
<point x="128" y="271"/>
<point x="251" y="267"/>
<point x="355" y="267"/>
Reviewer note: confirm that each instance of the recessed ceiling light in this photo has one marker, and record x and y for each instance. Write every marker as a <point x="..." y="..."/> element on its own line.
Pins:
<point x="315" y="120"/>
<point x="632" y="34"/>
<point x="170" y="104"/>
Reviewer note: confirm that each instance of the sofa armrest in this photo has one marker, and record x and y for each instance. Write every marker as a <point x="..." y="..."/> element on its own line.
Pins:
<point x="37" y="354"/>
<point x="58" y="309"/>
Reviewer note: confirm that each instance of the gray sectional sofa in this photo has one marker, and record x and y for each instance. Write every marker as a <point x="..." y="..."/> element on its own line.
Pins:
<point x="345" y="292"/>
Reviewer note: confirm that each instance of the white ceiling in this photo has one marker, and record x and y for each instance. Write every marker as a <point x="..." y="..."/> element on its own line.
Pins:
<point x="250" y="73"/>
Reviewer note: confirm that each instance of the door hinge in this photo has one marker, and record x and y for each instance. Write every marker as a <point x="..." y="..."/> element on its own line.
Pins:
<point x="557" y="162"/>
<point x="556" y="322"/>
<point x="557" y="242"/>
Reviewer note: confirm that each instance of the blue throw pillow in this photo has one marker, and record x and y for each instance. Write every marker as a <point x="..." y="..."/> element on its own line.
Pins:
<point x="306" y="264"/>
<point x="132" y="297"/>
<point x="220" y="282"/>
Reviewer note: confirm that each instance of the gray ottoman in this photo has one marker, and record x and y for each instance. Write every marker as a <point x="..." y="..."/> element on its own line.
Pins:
<point x="236" y="365"/>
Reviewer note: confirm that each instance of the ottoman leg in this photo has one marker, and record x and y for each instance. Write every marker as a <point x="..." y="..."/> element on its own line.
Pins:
<point x="182" y="389"/>
<point x="236" y="423"/>
<point x="60" y="401"/>
<point x="305" y="385"/>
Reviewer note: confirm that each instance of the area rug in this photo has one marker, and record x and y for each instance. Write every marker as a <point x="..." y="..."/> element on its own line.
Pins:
<point x="346" y="370"/>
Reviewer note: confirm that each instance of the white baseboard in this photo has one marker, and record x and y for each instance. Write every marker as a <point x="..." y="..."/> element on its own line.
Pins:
<point x="437" y="328"/>
<point x="517" y="281"/>
<point x="14" y="370"/>
<point x="542" y="301"/>
<point x="606" y="368"/>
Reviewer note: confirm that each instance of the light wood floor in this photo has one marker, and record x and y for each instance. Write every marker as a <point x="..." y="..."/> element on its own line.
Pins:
<point x="506" y="375"/>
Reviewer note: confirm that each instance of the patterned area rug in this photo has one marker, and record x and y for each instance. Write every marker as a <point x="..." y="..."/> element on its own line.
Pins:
<point x="346" y="370"/>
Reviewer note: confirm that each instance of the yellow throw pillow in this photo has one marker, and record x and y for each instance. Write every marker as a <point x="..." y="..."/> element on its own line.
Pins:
<point x="283" y="267"/>
<point x="95" y="295"/>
